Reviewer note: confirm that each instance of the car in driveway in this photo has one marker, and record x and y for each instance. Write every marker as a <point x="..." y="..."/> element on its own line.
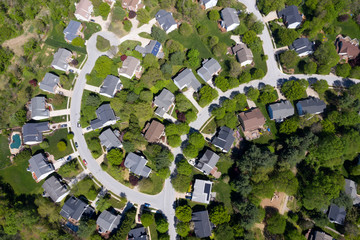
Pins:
<point x="76" y="145"/>
<point x="147" y="205"/>
<point x="69" y="158"/>
<point x="85" y="162"/>
<point x="63" y="125"/>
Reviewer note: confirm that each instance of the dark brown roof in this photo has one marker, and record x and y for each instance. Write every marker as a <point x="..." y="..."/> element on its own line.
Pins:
<point x="154" y="131"/>
<point x="347" y="47"/>
<point x="252" y="119"/>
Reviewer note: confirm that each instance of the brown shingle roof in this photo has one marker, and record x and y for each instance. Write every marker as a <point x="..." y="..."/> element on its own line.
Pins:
<point x="154" y="131"/>
<point x="252" y="120"/>
<point x="346" y="47"/>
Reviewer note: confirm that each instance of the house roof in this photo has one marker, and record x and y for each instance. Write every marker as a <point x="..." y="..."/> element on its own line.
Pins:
<point x="202" y="191"/>
<point x="109" y="139"/>
<point x="108" y="221"/>
<point x="137" y="234"/>
<point x="229" y="16"/>
<point x="131" y="4"/>
<point x="110" y="86"/>
<point x="137" y="164"/>
<point x="75" y="208"/>
<point x="337" y="214"/>
<point x="71" y="31"/>
<point x="61" y="58"/>
<point x="39" y="165"/>
<point x="208" y="161"/>
<point x="186" y="78"/>
<point x="281" y="110"/>
<point x="165" y="19"/>
<point x="38" y="108"/>
<point x="244" y="54"/>
<point x="350" y="189"/>
<point x="208" y="69"/>
<point x="202" y="224"/>
<point x="252" y="119"/>
<point x="290" y="15"/>
<point x="129" y="66"/>
<point x="310" y="105"/>
<point x="82" y="8"/>
<point x="49" y="82"/>
<point x="32" y="132"/>
<point x="104" y="114"/>
<point x="54" y="188"/>
<point x="224" y="138"/>
<point x="163" y="101"/>
<point x="155" y="131"/>
<point x="302" y="45"/>
<point x="346" y="46"/>
<point x="207" y="1"/>
<point x="152" y="48"/>
<point x="317" y="235"/>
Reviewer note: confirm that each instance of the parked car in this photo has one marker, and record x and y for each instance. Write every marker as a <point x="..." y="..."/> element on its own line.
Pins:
<point x="76" y="145"/>
<point x="147" y="204"/>
<point x="70" y="70"/>
<point x="78" y="125"/>
<point x="68" y="158"/>
<point x="88" y="128"/>
<point x="139" y="218"/>
<point x="85" y="162"/>
<point x="63" y="125"/>
<point x="92" y="20"/>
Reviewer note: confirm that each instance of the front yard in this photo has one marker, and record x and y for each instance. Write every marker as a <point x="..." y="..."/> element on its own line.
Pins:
<point x="93" y="142"/>
<point x="86" y="188"/>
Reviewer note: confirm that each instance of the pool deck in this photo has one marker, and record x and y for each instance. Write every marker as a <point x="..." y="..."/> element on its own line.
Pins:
<point x="15" y="151"/>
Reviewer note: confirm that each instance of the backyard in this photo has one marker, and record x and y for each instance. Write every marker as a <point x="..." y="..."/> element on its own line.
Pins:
<point x="152" y="185"/>
<point x="5" y="151"/>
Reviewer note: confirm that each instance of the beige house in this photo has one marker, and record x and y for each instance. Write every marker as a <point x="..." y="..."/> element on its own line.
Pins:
<point x="83" y="10"/>
<point x="132" y="5"/>
<point x="130" y="66"/>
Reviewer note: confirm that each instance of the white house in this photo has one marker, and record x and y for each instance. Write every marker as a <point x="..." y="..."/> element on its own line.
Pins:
<point x="208" y="3"/>
<point x="83" y="10"/>
<point x="230" y="19"/>
<point x="166" y="21"/>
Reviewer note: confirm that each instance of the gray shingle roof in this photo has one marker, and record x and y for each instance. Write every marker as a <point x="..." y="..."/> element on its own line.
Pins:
<point x="317" y="235"/>
<point x="186" y="78"/>
<point x="244" y="54"/>
<point x="165" y="19"/>
<point x="49" y="82"/>
<point x="39" y="165"/>
<point x="302" y="45"/>
<point x="32" y="132"/>
<point x="229" y="17"/>
<point x="129" y="67"/>
<point x="137" y="165"/>
<point x="208" y="69"/>
<point x="71" y="30"/>
<point x="202" y="224"/>
<point x="152" y="48"/>
<point x="75" y="208"/>
<point x="108" y="221"/>
<point x="208" y="161"/>
<point x="350" y="189"/>
<point x="163" y="101"/>
<point x="279" y="111"/>
<point x="55" y="189"/>
<point x="61" y="58"/>
<point x="137" y="234"/>
<point x="202" y="191"/>
<point x="290" y="15"/>
<point x="110" y="86"/>
<point x="109" y="139"/>
<point x="224" y="138"/>
<point x="337" y="214"/>
<point x="38" y="108"/>
<point x="104" y="114"/>
<point x="310" y="105"/>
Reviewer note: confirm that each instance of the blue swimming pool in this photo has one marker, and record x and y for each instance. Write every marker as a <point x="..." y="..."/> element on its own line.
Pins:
<point x="16" y="141"/>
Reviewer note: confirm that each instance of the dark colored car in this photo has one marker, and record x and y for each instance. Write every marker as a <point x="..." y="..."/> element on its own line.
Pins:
<point x="76" y="145"/>
<point x="147" y="204"/>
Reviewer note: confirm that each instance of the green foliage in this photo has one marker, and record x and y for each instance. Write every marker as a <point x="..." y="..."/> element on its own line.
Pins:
<point x="159" y="156"/>
<point x="219" y="49"/>
<point x="294" y="90"/>
<point x="102" y="44"/>
<point x="183" y="167"/>
<point x="147" y="218"/>
<point x="166" y="69"/>
<point x="326" y="54"/>
<point x="185" y="29"/>
<point x="224" y="231"/>
<point x="158" y="34"/>
<point x="162" y="226"/>
<point x="190" y="151"/>
<point x="268" y="94"/>
<point x="202" y="29"/>
<point x="183" y="229"/>
<point x="177" y="58"/>
<point x="5" y="56"/>
<point x="103" y="10"/>
<point x="253" y="94"/>
<point x="174" y="141"/>
<point x="266" y="6"/>
<point x="197" y="139"/>
<point x="249" y="37"/>
<point x="214" y="15"/>
<point x="78" y="42"/>
<point x="127" y="25"/>
<point x="174" y="46"/>
<point x="219" y="214"/>
<point x="355" y="72"/>
<point x="150" y="61"/>
<point x="245" y="77"/>
<point x="143" y="16"/>
<point x="286" y="36"/>
<point x="289" y="59"/>
<point x="190" y="116"/>
<point x="207" y="95"/>
<point x="115" y="156"/>
<point x="126" y="224"/>
<point x="20" y="116"/>
<point x="181" y="182"/>
<point x="343" y="70"/>
<point x="310" y="67"/>
<point x="258" y="74"/>
<point x="70" y="136"/>
<point x="183" y="213"/>
<point x="222" y="83"/>
<point x="93" y="100"/>
<point x="61" y="145"/>
<point x="320" y="86"/>
<point x="44" y="144"/>
<point x="213" y="40"/>
<point x="193" y="58"/>
<point x="276" y="224"/>
<point x="103" y="66"/>
<point x="289" y="126"/>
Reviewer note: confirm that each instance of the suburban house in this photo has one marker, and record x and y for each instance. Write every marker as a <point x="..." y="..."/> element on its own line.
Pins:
<point x="164" y="101"/>
<point x="202" y="225"/>
<point x="137" y="234"/>
<point x="206" y="4"/>
<point x="130" y="66"/>
<point x="207" y="163"/>
<point x="252" y="120"/>
<point x="154" y="48"/>
<point x="310" y="105"/>
<point x="303" y="47"/>
<point x="110" y="86"/>
<point x="317" y="235"/>
<point x="109" y="139"/>
<point x="243" y="54"/>
<point x="291" y="17"/>
<point x="72" y="31"/>
<point x="346" y="47"/>
<point x="107" y="222"/>
<point x="154" y="131"/>
<point x="350" y="189"/>
<point x="32" y="132"/>
<point x="166" y="21"/>
<point x="137" y="165"/>
<point x="74" y="209"/>
<point x="337" y="214"/>
<point x="105" y="117"/>
<point x="40" y="167"/>
<point x="210" y="67"/>
<point x="230" y="19"/>
<point x="224" y="139"/>
<point x="83" y="10"/>
<point x="62" y="58"/>
<point x="280" y="110"/>
<point x="202" y="191"/>
<point x="37" y="108"/>
<point x="186" y="79"/>
<point x="132" y="5"/>
<point x="55" y="189"/>
<point x="50" y="83"/>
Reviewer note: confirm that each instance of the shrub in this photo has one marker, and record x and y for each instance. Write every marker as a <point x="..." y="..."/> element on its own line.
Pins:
<point x="61" y="145"/>
<point x="213" y="40"/>
<point x="310" y="68"/>
<point x="44" y="144"/>
<point x="185" y="29"/>
<point x="78" y="42"/>
<point x="276" y="224"/>
<point x="70" y="135"/>
<point x="102" y="44"/>
<point x="258" y="74"/>
<point x="158" y="34"/>
<point x="202" y="29"/>
<point x="143" y="16"/>
<point x="104" y="10"/>
<point x="253" y="94"/>
<point x="115" y="156"/>
<point x="127" y="25"/>
<point x="245" y="77"/>
<point x="162" y="225"/>
<point x="214" y="15"/>
<point x="207" y="95"/>
<point x="147" y="218"/>
<point x="343" y="18"/>
<point x="343" y="70"/>
<point x="222" y="83"/>
<point x="183" y="229"/>
<point x="183" y="213"/>
<point x="220" y="49"/>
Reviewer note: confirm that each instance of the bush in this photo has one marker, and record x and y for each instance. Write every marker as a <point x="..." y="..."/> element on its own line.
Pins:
<point x="190" y="116"/>
<point x="190" y="151"/>
<point x="276" y="224"/>
<point x="103" y="10"/>
<point x="147" y="218"/>
<point x="185" y="29"/>
<point x="158" y="34"/>
<point x="102" y="44"/>
<point x="220" y="49"/>
<point x="44" y="144"/>
<point x="193" y="58"/>
<point x="78" y="42"/>
<point x="245" y="77"/>
<point x="294" y="90"/>
<point x="207" y="95"/>
<point x="61" y="145"/>
<point x="127" y="25"/>
<point x="183" y="229"/>
<point x="343" y="70"/>
<point x="343" y="18"/>
<point x="177" y="58"/>
<point x="310" y="68"/>
<point x="143" y="16"/>
<point x="183" y="167"/>
<point x="289" y="59"/>
<point x="202" y="29"/>
<point x="213" y="40"/>
<point x="258" y="74"/>
<point x="253" y="94"/>
<point x="197" y="139"/>
<point x="115" y="156"/>
<point x="249" y="37"/>
<point x="174" y="141"/>
<point x="214" y="15"/>
<point x="70" y="135"/>
<point x="222" y="83"/>
<point x="183" y="213"/>
<point x="218" y="214"/>
<point x="320" y="86"/>
<point x="162" y="225"/>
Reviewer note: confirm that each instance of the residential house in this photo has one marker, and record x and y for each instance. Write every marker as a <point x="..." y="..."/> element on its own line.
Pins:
<point x="337" y="214"/>
<point x="202" y="191"/>
<point x="83" y="10"/>
<point x="317" y="235"/>
<point x="252" y="120"/>
<point x="73" y="30"/>
<point x="166" y="21"/>
<point x="32" y="132"/>
<point x="230" y="19"/>
<point x="154" y="131"/>
<point x="105" y="117"/>
<point x="154" y="48"/>
<point x="40" y="167"/>
<point x="186" y="79"/>
<point x="107" y="222"/>
<point x="206" y="4"/>
<point x="55" y="189"/>
<point x="243" y="54"/>
<point x="210" y="67"/>
<point x="50" y="83"/>
<point x="132" y="5"/>
<point x="207" y="163"/>
<point x="164" y="101"/>
<point x="224" y="139"/>
<point x="291" y="17"/>
<point x="350" y="189"/>
<point x="303" y="47"/>
<point x="110" y="86"/>
<point x="130" y="66"/>
<point x="202" y="225"/>
<point x="138" y="234"/>
<point x="37" y="108"/>
<point x="280" y="110"/>
<point x="74" y="209"/>
<point x="109" y="139"/>
<point x="346" y="47"/>
<point x="311" y="106"/>
<point x="137" y="165"/>
<point x="61" y="60"/>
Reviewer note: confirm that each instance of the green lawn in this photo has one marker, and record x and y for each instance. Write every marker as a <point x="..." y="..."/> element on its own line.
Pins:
<point x="223" y="191"/>
<point x="259" y="62"/>
<point x="87" y="188"/>
<point x="210" y="127"/>
<point x="93" y="142"/>
<point x="90" y="29"/>
<point x="5" y="152"/>
<point x="224" y="164"/>
<point x="57" y="101"/>
<point x="155" y="185"/>
<point x="349" y="28"/>
<point x="70" y="169"/>
<point x="119" y="174"/>
<point x="153" y="232"/>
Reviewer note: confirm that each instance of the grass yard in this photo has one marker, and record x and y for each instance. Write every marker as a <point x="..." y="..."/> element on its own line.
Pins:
<point x="259" y="62"/>
<point x="87" y="111"/>
<point x="5" y="152"/>
<point x="118" y="204"/>
<point x="90" y="29"/>
<point x="58" y="101"/>
<point x="210" y="127"/>
<point x="70" y="169"/>
<point x="224" y="164"/>
<point x="153" y="185"/>
<point x="121" y="175"/>
<point x="223" y="191"/>
<point x="349" y="28"/>
<point x="153" y="232"/>
<point x="93" y="142"/>
<point x="87" y="188"/>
